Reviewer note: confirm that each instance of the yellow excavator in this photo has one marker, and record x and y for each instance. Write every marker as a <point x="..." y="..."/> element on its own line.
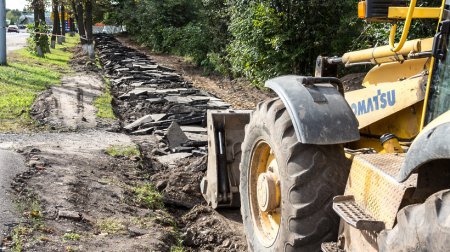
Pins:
<point x="365" y="170"/>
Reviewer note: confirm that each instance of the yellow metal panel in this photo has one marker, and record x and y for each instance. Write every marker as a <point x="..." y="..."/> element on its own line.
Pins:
<point x="372" y="54"/>
<point x="404" y="124"/>
<point x="376" y="102"/>
<point x="371" y="182"/>
<point x="419" y="12"/>
<point x="395" y="71"/>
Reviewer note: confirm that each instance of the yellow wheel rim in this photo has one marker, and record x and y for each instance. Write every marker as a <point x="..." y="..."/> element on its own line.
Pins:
<point x="264" y="193"/>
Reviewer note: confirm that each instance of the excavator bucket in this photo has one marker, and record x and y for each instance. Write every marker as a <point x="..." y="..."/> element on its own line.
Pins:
<point x="226" y="131"/>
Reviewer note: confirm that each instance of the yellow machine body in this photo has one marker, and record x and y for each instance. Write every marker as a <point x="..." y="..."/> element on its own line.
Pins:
<point x="372" y="185"/>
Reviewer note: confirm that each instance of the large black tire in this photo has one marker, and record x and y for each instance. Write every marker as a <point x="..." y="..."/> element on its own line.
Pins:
<point x="310" y="176"/>
<point x="420" y="227"/>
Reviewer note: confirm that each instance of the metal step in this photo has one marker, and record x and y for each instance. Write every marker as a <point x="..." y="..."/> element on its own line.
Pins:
<point x="330" y="247"/>
<point x="350" y="212"/>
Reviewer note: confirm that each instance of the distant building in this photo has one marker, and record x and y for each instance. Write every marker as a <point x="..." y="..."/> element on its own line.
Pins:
<point x="28" y="18"/>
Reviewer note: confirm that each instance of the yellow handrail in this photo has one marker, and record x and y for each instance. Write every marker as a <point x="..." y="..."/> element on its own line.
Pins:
<point x="405" y="32"/>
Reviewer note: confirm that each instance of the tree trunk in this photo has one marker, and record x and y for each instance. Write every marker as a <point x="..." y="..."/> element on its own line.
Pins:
<point x="63" y="23"/>
<point x="44" y="38"/>
<point x="55" y="23"/>
<point x="72" y="26"/>
<point x="88" y="25"/>
<point x="72" y="20"/>
<point x="37" y="6"/>
<point x="80" y="22"/>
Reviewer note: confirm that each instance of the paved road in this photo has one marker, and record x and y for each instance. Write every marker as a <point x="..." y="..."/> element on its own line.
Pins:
<point x="15" y="41"/>
<point x="11" y="164"/>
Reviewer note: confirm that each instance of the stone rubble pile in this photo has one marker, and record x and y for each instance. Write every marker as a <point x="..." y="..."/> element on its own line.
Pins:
<point x="152" y="99"/>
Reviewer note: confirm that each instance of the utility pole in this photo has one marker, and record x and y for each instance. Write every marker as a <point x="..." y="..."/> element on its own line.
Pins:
<point x="2" y="32"/>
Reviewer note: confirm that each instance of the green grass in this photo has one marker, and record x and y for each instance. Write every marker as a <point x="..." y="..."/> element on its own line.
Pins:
<point x="103" y="102"/>
<point x="147" y="196"/>
<point x="71" y="237"/>
<point x="178" y="248"/>
<point x="25" y="76"/>
<point x="18" y="237"/>
<point x="123" y="150"/>
<point x="110" y="226"/>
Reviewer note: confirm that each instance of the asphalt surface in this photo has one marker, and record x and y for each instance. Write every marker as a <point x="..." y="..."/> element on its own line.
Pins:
<point x="11" y="164"/>
<point x="16" y="41"/>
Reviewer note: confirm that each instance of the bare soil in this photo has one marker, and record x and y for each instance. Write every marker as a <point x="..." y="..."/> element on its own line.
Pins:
<point x="76" y="197"/>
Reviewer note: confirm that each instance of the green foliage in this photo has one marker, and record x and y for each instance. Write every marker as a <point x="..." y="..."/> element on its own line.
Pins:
<point x="110" y="226"/>
<point x="25" y="76"/>
<point x="257" y="39"/>
<point x="147" y="196"/>
<point x="123" y="151"/>
<point x="280" y="37"/>
<point x="13" y="16"/>
<point x="103" y="103"/>
<point x="38" y="40"/>
<point x="71" y="237"/>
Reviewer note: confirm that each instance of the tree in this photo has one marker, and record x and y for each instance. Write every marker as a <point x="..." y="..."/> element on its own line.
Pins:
<point x="13" y="15"/>
<point x="56" y="24"/>
<point x="38" y="35"/>
<point x="88" y="22"/>
<point x="63" y="21"/>
<point x="77" y="5"/>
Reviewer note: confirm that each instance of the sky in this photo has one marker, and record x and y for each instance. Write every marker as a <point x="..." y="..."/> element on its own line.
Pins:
<point x="16" y="4"/>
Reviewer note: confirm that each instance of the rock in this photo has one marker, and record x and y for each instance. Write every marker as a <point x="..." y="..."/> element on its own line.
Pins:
<point x="175" y="135"/>
<point x="172" y="158"/>
<point x="158" y="152"/>
<point x="134" y="231"/>
<point x="34" y="163"/>
<point x="71" y="215"/>
<point x="226" y="243"/>
<point x="161" y="185"/>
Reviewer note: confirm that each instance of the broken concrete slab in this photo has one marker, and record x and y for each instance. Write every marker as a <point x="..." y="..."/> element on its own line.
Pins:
<point x="138" y="122"/>
<point x="158" y="117"/>
<point x="143" y="131"/>
<point x="172" y="159"/>
<point x="175" y="135"/>
<point x="156" y="100"/>
<point x="193" y="129"/>
<point x="196" y="137"/>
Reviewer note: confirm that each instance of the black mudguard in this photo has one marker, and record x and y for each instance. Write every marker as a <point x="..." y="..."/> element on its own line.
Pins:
<point x="432" y="144"/>
<point x="319" y="112"/>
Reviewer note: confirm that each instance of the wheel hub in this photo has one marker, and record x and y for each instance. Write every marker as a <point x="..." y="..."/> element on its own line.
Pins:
<point x="267" y="192"/>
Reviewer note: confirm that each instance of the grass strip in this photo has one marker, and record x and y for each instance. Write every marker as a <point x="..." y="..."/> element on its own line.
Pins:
<point x="25" y="76"/>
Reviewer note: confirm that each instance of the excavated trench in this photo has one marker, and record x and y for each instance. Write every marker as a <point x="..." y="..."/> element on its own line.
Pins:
<point x="166" y="116"/>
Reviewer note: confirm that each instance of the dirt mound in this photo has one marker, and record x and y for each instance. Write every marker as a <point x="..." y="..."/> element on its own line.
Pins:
<point x="206" y="230"/>
<point x="353" y="81"/>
